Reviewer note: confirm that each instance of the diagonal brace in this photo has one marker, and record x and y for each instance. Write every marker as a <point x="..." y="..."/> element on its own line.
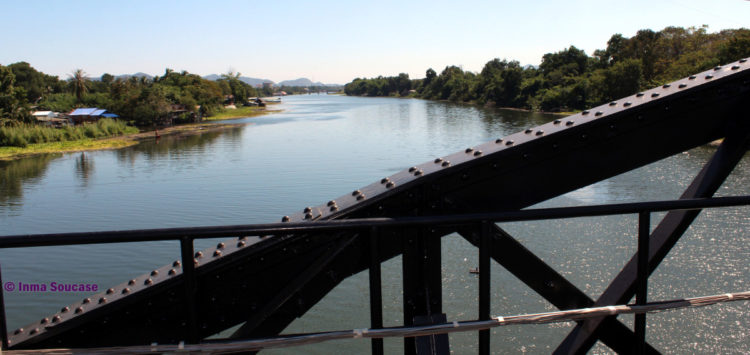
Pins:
<point x="545" y="281"/>
<point x="662" y="239"/>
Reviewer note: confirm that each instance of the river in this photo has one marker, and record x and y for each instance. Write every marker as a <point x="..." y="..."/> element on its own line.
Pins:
<point x="321" y="147"/>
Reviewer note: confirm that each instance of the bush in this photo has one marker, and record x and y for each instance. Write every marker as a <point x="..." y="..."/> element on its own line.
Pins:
<point x="25" y="134"/>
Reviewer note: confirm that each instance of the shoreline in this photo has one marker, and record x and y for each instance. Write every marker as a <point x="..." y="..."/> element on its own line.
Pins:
<point x="119" y="142"/>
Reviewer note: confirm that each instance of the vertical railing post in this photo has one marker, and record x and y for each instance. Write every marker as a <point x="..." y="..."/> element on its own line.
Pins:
<point x="3" y="323"/>
<point x="188" y="274"/>
<point x="644" y="231"/>
<point x="376" y="298"/>
<point x="485" y="244"/>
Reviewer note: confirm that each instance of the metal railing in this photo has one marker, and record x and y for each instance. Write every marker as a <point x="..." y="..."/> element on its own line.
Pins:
<point x="373" y="226"/>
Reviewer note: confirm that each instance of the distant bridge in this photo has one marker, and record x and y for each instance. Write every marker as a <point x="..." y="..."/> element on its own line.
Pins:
<point x="266" y="276"/>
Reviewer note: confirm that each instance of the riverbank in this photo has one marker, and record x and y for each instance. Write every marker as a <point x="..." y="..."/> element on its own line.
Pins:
<point x="11" y="153"/>
<point x="241" y="112"/>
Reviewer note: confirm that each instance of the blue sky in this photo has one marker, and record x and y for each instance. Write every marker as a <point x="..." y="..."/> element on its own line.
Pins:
<point x="328" y="41"/>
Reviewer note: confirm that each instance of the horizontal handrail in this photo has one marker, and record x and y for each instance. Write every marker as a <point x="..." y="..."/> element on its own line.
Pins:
<point x="410" y="331"/>
<point x="144" y="235"/>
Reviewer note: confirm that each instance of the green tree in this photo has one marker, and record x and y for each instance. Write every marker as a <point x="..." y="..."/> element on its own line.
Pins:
<point x="14" y="108"/>
<point x="80" y="84"/>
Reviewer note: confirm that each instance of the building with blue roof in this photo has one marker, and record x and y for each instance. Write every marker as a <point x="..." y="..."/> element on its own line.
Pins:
<point x="89" y="114"/>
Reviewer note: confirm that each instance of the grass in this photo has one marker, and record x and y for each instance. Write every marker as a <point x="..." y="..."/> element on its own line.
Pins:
<point x="240" y="112"/>
<point x="26" y="134"/>
<point x="8" y="153"/>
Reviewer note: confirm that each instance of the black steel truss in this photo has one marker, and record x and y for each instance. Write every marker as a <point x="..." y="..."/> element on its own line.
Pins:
<point x="264" y="283"/>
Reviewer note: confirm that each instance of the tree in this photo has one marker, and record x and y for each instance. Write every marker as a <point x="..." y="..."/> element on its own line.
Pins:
<point x="80" y="83"/>
<point x="14" y="108"/>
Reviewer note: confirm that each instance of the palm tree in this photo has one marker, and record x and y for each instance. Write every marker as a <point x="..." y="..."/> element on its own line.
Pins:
<point x="80" y="83"/>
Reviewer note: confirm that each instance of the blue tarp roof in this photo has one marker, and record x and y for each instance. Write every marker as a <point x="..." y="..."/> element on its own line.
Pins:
<point x="110" y="115"/>
<point x="83" y="111"/>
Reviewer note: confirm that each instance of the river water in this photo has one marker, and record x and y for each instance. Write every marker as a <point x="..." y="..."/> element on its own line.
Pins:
<point x="323" y="146"/>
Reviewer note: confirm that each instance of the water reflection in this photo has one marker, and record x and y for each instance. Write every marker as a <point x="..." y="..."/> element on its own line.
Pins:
<point x="15" y="174"/>
<point x="178" y="146"/>
<point x="84" y="168"/>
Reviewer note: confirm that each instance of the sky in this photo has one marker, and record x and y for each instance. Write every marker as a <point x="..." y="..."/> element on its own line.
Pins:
<point x="327" y="41"/>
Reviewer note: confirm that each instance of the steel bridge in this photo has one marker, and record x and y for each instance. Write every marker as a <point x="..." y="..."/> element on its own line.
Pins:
<point x="299" y="260"/>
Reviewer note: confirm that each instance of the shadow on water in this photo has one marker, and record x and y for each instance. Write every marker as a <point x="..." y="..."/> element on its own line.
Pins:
<point x="17" y="173"/>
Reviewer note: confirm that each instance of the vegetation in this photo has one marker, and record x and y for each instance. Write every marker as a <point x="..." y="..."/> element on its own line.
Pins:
<point x="570" y="79"/>
<point x="240" y="112"/>
<point x="24" y="134"/>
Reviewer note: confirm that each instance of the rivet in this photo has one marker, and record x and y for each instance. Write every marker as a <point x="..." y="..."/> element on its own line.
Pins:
<point x="477" y="153"/>
<point x="125" y="291"/>
<point x="717" y="68"/>
<point x="148" y="282"/>
<point x="465" y="176"/>
<point x="692" y="77"/>
<point x="18" y="331"/>
<point x="509" y="143"/>
<point x="285" y="219"/>
<point x="308" y="216"/>
<point x="528" y="131"/>
<point x="155" y="272"/>
<point x="412" y="169"/>
<point x="446" y="163"/>
<point x="307" y="210"/>
<point x="79" y="310"/>
<point x="526" y="155"/>
<point x="498" y="141"/>
<point x="438" y="160"/>
<point x="44" y="320"/>
<point x="102" y="300"/>
<point x="64" y="309"/>
<point x="469" y="150"/>
<point x="362" y="197"/>
<point x="584" y="136"/>
<point x="131" y="282"/>
<point x="613" y="103"/>
<point x="389" y="184"/>
<point x="598" y="113"/>
<point x="199" y="254"/>
<point x="217" y="253"/>
<point x="554" y="146"/>
<point x="110" y="291"/>
<point x="419" y="172"/>
<point x="585" y="112"/>
<point x="86" y="300"/>
<point x="665" y="86"/>
<point x="682" y="86"/>
<point x="333" y="208"/>
<point x="56" y="319"/>
<point x="176" y="263"/>
<point x="569" y="123"/>
<point x="218" y="246"/>
<point x="627" y="104"/>
<point x="557" y="121"/>
<point x="735" y="67"/>
<point x="640" y="118"/>
<point x="331" y="203"/>
<point x="709" y="77"/>
<point x="612" y="127"/>
<point x="357" y="192"/>
<point x="656" y="94"/>
<point x="173" y="272"/>
<point x="539" y="132"/>
<point x="195" y="262"/>
<point x="639" y="94"/>
<point x="743" y="60"/>
<point x="34" y="331"/>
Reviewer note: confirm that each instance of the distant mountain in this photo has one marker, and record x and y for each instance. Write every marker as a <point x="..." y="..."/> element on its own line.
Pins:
<point x="300" y="82"/>
<point x="137" y="75"/>
<point x="245" y="79"/>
